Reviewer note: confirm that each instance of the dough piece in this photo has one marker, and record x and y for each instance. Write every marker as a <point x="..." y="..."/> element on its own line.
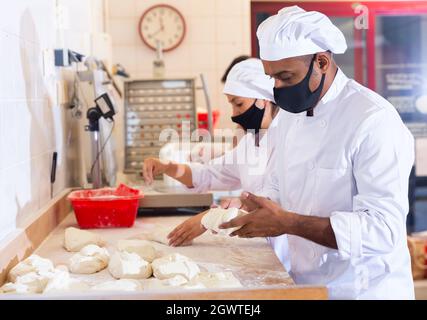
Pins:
<point x="173" y="265"/>
<point x="160" y="235"/>
<point x="17" y="288"/>
<point x="217" y="280"/>
<point x="33" y="263"/>
<point x="35" y="282"/>
<point x="62" y="282"/>
<point x="129" y="266"/>
<point x="142" y="248"/>
<point x="75" y="239"/>
<point x="217" y="216"/>
<point x="154" y="283"/>
<point x="118" y="285"/>
<point x="90" y="259"/>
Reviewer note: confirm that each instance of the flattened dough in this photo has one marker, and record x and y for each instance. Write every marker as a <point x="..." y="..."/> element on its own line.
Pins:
<point x="143" y="248"/>
<point x="89" y="260"/>
<point x="128" y="265"/>
<point x="217" y="216"/>
<point x="175" y="264"/>
<point x="75" y="239"/>
<point x="160" y="235"/>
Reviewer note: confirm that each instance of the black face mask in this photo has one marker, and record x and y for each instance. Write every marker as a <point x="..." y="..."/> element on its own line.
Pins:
<point x="298" y="98"/>
<point x="250" y="119"/>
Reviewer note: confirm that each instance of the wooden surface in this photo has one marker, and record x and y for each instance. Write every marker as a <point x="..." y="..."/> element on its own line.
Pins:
<point x="32" y="232"/>
<point x="252" y="261"/>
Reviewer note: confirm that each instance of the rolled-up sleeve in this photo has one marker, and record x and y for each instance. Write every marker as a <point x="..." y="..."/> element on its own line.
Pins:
<point x="217" y="174"/>
<point x="382" y="161"/>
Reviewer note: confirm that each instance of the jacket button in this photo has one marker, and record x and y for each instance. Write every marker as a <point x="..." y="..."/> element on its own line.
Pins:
<point x="310" y="165"/>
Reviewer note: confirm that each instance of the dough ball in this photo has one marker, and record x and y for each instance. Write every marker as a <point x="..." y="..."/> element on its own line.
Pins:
<point x="33" y="263"/>
<point x="217" y="216"/>
<point x="34" y="281"/>
<point x="173" y="265"/>
<point x="160" y="235"/>
<point x="75" y="239"/>
<point x="62" y="282"/>
<point x="17" y="288"/>
<point x="142" y="248"/>
<point x="129" y="265"/>
<point x="217" y="280"/>
<point x="89" y="260"/>
<point x="118" y="285"/>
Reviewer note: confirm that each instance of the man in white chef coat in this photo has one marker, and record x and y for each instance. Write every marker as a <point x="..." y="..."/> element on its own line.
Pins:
<point x="340" y="181"/>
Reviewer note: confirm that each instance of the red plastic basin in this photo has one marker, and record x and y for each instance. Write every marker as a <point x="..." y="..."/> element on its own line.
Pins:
<point x="106" y="207"/>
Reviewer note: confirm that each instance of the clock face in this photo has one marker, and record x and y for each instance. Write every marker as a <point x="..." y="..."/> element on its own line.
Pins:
<point x="162" y="24"/>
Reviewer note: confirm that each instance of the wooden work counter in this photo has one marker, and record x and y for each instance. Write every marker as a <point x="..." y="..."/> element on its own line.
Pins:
<point x="252" y="261"/>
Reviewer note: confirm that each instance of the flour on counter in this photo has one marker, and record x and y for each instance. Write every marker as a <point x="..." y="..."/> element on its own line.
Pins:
<point x="118" y="285"/>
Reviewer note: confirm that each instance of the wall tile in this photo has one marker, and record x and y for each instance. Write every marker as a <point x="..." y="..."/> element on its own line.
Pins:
<point x="124" y="31"/>
<point x="122" y="8"/>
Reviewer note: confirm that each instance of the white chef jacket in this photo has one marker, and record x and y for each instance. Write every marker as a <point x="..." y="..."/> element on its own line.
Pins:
<point x="243" y="167"/>
<point x="351" y="162"/>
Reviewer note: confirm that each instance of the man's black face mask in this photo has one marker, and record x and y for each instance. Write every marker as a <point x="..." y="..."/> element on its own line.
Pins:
<point x="298" y="98"/>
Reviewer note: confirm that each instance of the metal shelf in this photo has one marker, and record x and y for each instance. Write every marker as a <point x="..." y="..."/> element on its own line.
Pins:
<point x="151" y="106"/>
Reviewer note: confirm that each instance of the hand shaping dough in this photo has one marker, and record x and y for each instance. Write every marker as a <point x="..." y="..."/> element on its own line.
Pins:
<point x="160" y="234"/>
<point x="118" y="285"/>
<point x="129" y="266"/>
<point x="76" y="239"/>
<point x="33" y="263"/>
<point x="90" y="259"/>
<point x="217" y="216"/>
<point x="173" y="265"/>
<point x="142" y="248"/>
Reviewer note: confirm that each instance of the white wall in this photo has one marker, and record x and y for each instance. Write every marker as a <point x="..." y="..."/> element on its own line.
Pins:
<point x="32" y="124"/>
<point x="217" y="32"/>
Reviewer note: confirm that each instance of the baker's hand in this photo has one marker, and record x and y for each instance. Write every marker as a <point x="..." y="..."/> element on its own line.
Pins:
<point x="187" y="231"/>
<point x="226" y="203"/>
<point x="247" y="203"/>
<point x="153" y="167"/>
<point x="269" y="220"/>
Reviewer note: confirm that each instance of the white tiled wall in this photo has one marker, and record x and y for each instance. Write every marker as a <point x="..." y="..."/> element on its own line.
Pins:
<point x="209" y="46"/>
<point x="32" y="124"/>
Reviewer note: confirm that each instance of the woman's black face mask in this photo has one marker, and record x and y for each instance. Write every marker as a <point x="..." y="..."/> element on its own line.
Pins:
<point x="298" y="98"/>
<point x="251" y="118"/>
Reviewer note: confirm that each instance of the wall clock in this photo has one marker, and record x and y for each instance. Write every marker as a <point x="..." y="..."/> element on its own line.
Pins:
<point x="164" y="24"/>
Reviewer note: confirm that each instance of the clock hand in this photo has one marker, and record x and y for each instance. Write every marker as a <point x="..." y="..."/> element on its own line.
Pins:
<point x="156" y="32"/>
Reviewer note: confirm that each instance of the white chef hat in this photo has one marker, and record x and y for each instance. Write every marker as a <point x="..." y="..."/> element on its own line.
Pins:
<point x="294" y="32"/>
<point x="248" y="79"/>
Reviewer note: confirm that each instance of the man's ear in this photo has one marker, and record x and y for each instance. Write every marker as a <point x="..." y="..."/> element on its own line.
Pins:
<point x="324" y="61"/>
